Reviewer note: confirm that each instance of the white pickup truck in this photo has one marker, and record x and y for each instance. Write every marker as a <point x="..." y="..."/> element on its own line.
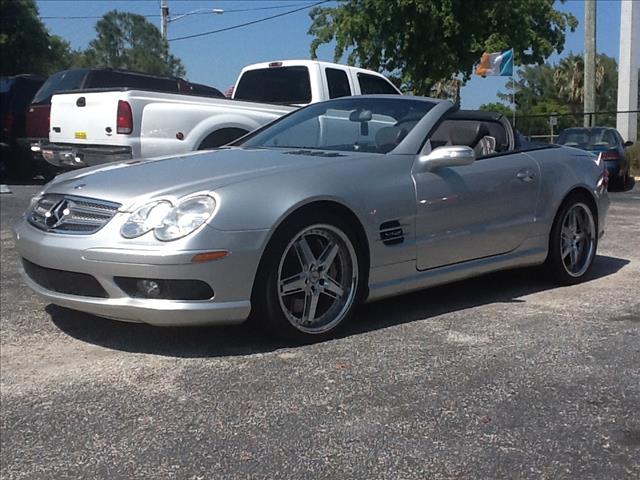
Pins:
<point x="90" y="127"/>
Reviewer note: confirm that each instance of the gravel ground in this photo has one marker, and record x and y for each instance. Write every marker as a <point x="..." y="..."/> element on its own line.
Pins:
<point x="503" y="376"/>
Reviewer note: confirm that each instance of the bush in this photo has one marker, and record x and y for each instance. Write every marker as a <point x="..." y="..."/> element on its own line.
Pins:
<point x="634" y="158"/>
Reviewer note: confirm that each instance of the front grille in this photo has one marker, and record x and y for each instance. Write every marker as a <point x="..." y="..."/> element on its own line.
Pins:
<point x="70" y="214"/>
<point x="61" y="281"/>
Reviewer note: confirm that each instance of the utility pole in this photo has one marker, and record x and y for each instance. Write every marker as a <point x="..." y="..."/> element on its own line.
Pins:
<point x="164" y="13"/>
<point x="589" y="61"/>
<point x="627" y="123"/>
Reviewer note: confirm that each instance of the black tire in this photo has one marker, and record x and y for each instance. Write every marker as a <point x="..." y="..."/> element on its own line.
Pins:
<point x="221" y="137"/>
<point x="556" y="264"/>
<point x="269" y="306"/>
<point x="623" y="181"/>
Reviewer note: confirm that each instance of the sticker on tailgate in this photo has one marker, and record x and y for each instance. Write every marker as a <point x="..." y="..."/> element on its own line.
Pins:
<point x="81" y="135"/>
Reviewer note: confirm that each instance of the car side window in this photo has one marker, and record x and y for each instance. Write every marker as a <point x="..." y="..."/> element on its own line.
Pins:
<point x="370" y="85"/>
<point x="337" y="82"/>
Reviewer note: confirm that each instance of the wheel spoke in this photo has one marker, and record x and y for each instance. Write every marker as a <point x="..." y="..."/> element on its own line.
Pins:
<point x="566" y="250"/>
<point x="293" y="284"/>
<point x="310" y="306"/>
<point x="574" y="257"/>
<point x="328" y="255"/>
<point x="332" y="288"/>
<point x="304" y="252"/>
<point x="574" y="220"/>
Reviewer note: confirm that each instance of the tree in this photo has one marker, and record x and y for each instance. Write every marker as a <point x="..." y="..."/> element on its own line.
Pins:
<point x="25" y="44"/>
<point x="425" y="42"/>
<point x="569" y="81"/>
<point x="497" y="107"/>
<point x="128" y="41"/>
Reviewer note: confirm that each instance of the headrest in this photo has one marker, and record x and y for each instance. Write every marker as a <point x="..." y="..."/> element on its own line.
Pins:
<point x="468" y="135"/>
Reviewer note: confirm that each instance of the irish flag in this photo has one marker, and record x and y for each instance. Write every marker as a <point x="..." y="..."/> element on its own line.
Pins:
<point x="499" y="63"/>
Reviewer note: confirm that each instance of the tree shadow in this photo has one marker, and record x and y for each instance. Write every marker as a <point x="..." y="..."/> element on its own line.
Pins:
<point x="196" y="342"/>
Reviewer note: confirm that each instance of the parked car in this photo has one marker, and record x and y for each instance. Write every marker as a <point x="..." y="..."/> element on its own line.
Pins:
<point x="39" y="112"/>
<point x="93" y="127"/>
<point x="605" y="141"/>
<point x="343" y="201"/>
<point x="16" y="93"/>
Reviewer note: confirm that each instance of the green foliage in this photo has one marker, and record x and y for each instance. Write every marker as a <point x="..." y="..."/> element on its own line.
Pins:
<point x="25" y="44"/>
<point x="547" y="89"/>
<point x="497" y="107"/>
<point x="425" y="42"/>
<point x="128" y="41"/>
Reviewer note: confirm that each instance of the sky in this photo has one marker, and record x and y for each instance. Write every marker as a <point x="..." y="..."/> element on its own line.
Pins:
<point x="217" y="59"/>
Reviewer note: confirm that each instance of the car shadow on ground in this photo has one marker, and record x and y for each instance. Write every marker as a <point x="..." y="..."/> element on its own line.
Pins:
<point x="12" y="180"/>
<point x="192" y="342"/>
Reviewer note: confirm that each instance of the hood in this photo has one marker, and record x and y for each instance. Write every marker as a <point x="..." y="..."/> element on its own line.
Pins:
<point x="131" y="181"/>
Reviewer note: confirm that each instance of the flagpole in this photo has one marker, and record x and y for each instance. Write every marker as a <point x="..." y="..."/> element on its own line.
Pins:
<point x="513" y="90"/>
<point x="513" y="103"/>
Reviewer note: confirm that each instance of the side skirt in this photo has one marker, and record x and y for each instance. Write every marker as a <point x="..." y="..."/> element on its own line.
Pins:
<point x="403" y="277"/>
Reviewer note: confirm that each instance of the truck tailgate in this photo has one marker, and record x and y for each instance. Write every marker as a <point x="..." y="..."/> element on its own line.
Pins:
<point x="87" y="118"/>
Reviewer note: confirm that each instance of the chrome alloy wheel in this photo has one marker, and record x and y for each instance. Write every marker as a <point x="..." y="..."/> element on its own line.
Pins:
<point x="577" y="239"/>
<point x="317" y="278"/>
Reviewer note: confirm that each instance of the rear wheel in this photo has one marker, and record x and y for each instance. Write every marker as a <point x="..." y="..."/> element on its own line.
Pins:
<point x="221" y="137"/>
<point x="573" y="241"/>
<point x="310" y="280"/>
<point x="623" y="181"/>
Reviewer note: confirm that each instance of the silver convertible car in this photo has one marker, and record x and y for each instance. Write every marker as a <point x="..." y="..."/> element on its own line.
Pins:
<point x="295" y="224"/>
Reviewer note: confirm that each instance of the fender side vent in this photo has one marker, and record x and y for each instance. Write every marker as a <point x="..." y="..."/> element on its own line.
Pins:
<point x="391" y="233"/>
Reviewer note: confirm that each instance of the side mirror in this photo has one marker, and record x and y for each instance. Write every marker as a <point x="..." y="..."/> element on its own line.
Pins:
<point x="628" y="143"/>
<point x="454" y="156"/>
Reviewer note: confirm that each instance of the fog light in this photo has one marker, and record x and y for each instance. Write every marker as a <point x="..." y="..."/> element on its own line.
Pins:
<point x="150" y="288"/>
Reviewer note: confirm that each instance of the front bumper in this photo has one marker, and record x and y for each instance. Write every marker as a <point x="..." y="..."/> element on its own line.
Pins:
<point x="230" y="278"/>
<point x="78" y="156"/>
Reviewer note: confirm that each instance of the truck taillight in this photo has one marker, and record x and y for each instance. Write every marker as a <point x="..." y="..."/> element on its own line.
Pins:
<point x="124" y="123"/>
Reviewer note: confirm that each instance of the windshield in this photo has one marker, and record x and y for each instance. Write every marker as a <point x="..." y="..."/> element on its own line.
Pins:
<point x="364" y="124"/>
<point x="65" y="80"/>
<point x="593" y="139"/>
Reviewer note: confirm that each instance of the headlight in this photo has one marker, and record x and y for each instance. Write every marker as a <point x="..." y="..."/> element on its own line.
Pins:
<point x="145" y="219"/>
<point x="169" y="222"/>
<point x="185" y="217"/>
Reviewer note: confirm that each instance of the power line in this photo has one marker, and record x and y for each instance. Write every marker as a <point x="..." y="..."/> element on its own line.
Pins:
<point x="211" y="32"/>
<point x="156" y="15"/>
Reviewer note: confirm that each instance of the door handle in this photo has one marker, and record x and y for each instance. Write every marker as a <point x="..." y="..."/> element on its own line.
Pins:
<point x="526" y="175"/>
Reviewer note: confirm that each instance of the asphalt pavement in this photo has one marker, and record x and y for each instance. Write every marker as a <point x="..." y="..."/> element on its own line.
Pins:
<point x="503" y="376"/>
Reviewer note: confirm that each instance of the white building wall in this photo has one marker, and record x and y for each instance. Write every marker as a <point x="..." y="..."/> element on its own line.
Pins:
<point x="628" y="69"/>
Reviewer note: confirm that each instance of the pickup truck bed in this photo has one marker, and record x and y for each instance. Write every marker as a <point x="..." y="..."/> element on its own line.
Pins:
<point x="84" y="124"/>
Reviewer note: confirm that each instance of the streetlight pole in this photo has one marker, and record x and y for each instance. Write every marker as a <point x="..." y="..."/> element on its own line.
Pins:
<point x="166" y="19"/>
<point x="589" y="61"/>
<point x="164" y="13"/>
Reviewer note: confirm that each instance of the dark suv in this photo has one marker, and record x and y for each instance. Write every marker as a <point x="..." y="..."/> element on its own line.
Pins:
<point x="37" y="129"/>
<point x="16" y="93"/>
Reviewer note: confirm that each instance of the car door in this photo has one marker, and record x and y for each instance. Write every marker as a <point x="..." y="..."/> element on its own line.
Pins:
<point x="474" y="211"/>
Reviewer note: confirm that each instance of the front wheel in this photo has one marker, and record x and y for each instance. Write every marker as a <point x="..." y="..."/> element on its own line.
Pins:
<point x="310" y="280"/>
<point x="573" y="241"/>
